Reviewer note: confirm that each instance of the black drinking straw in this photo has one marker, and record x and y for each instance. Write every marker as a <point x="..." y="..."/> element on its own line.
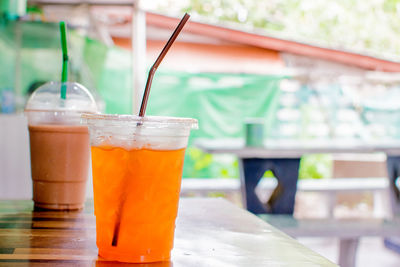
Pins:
<point x="158" y="61"/>
<point x="144" y="105"/>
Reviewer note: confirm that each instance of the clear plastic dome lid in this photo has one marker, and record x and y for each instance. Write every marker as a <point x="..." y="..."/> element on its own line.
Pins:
<point x="48" y="98"/>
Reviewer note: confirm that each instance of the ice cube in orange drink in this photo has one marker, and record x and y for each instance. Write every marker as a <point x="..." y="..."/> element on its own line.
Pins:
<point x="147" y="182"/>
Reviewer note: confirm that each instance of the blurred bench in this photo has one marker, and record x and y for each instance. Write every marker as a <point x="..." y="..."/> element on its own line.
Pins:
<point x="329" y="187"/>
<point x="348" y="231"/>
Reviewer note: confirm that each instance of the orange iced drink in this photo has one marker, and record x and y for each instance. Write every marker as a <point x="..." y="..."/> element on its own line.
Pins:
<point x="147" y="184"/>
<point x="137" y="167"/>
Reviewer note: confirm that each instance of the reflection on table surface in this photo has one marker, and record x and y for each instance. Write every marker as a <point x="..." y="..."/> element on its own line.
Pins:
<point x="209" y="232"/>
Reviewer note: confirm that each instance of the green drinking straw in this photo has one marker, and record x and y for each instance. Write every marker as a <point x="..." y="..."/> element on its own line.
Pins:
<point x="64" y="73"/>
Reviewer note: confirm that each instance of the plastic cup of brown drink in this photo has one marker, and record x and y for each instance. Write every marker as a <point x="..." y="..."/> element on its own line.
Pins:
<point x="59" y="145"/>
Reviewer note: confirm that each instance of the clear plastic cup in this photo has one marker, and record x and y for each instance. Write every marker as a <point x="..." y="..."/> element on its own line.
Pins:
<point x="59" y="145"/>
<point x="137" y="168"/>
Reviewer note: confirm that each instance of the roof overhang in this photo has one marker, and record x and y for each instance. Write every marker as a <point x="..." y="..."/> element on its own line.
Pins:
<point x="277" y="44"/>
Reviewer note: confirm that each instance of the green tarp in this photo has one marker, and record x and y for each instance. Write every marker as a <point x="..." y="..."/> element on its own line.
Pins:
<point x="220" y="102"/>
<point x="30" y="52"/>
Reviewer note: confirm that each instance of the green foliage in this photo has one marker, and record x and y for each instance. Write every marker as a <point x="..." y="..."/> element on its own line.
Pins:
<point x="199" y="164"/>
<point x="269" y="174"/>
<point x="201" y="160"/>
<point x="202" y="165"/>
<point x="216" y="194"/>
<point x="391" y="6"/>
<point x="315" y="166"/>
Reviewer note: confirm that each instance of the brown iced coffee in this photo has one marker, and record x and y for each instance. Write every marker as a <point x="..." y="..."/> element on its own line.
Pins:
<point x="59" y="146"/>
<point x="59" y="159"/>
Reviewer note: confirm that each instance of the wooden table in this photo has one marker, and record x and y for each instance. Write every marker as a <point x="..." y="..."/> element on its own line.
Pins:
<point x="283" y="158"/>
<point x="209" y="232"/>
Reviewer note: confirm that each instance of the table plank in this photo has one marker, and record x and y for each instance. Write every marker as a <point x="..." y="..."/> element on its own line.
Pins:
<point x="297" y="148"/>
<point x="209" y="232"/>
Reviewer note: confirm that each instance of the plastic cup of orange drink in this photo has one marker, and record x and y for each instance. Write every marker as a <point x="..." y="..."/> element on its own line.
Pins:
<point x="137" y="166"/>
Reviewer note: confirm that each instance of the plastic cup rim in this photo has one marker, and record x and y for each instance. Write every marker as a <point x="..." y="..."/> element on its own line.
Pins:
<point x="90" y="118"/>
<point x="77" y="111"/>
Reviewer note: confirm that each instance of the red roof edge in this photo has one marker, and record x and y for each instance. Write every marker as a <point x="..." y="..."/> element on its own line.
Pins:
<point x="272" y="43"/>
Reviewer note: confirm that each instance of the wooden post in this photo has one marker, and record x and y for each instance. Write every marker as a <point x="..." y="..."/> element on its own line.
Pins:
<point x="348" y="252"/>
